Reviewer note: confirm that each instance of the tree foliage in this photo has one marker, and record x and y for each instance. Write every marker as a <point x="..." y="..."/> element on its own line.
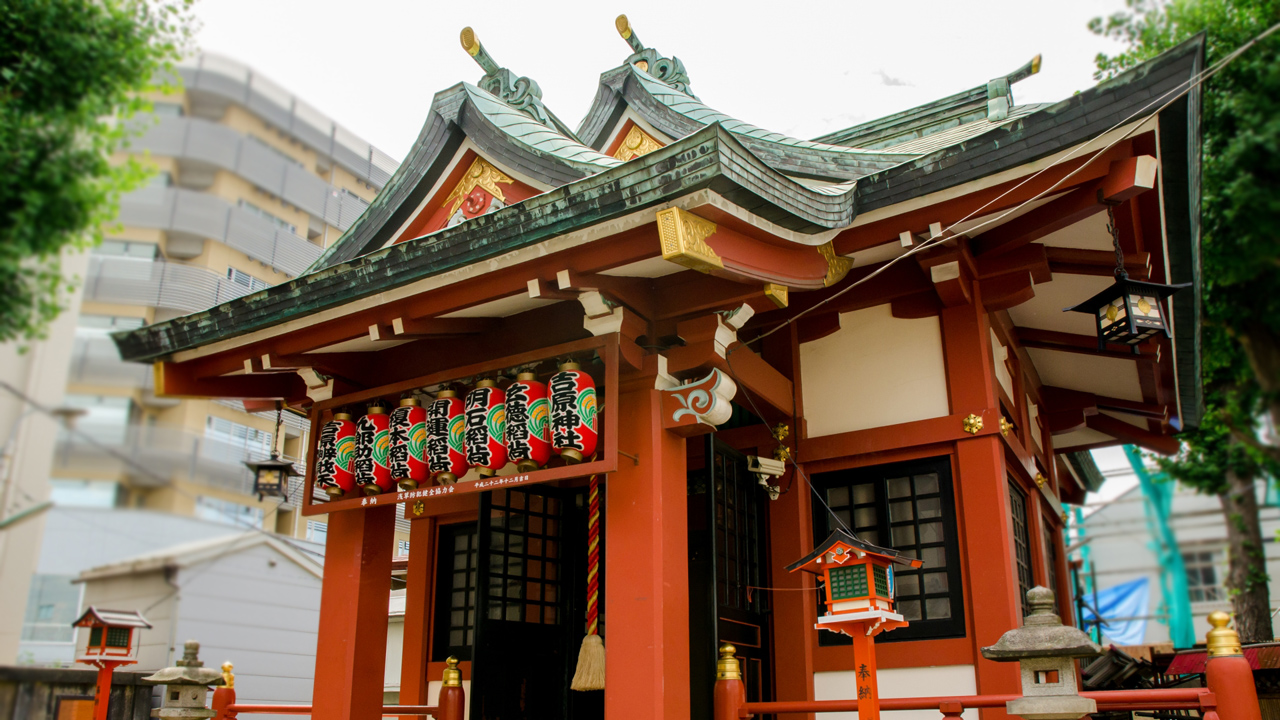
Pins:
<point x="1240" y="255"/>
<point x="71" y="73"/>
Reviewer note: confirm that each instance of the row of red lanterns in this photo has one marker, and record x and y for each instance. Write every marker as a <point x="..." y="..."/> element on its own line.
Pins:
<point x="414" y="445"/>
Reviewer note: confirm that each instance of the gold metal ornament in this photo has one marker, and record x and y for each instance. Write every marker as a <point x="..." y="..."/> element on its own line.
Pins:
<point x="973" y="424"/>
<point x="636" y="143"/>
<point x="683" y="236"/>
<point x="1222" y="641"/>
<point x="1041" y="480"/>
<point x="777" y="293"/>
<point x="837" y="265"/>
<point x="228" y="677"/>
<point x="624" y="26"/>
<point x="452" y="675"/>
<point x="1005" y="426"/>
<point x="469" y="41"/>
<point x="419" y="507"/>
<point x="480" y="174"/>
<point x="727" y="667"/>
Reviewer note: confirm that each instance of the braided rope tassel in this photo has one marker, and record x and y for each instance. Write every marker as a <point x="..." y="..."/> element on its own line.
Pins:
<point x="590" y="672"/>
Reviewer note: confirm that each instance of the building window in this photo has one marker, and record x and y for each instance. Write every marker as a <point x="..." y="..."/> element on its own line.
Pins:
<point x="246" y="281"/>
<point x="1051" y="556"/>
<point x="457" y="564"/>
<point x="402" y="547"/>
<point x="1203" y="579"/>
<point x="167" y="109"/>
<point x="1021" y="544"/>
<point x="127" y="248"/>
<point x="228" y="513"/>
<point x="84" y="493"/>
<point x="317" y="532"/>
<point x="252" y="440"/>
<point x="908" y="507"/>
<point x="273" y="219"/>
<point x="105" y="418"/>
<point x="103" y="325"/>
<point x="52" y="605"/>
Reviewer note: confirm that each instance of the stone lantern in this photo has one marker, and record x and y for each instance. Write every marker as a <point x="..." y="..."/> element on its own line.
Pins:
<point x="1047" y="650"/>
<point x="186" y="687"/>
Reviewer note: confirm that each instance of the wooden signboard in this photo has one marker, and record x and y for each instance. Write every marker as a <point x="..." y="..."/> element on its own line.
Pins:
<point x="606" y="346"/>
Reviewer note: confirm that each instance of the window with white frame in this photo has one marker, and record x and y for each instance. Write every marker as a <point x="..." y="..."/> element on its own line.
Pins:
<point x="127" y="248"/>
<point x="402" y="547"/>
<point x="1204" y="581"/>
<point x="84" y="493"/>
<point x="246" y="281"/>
<point x="274" y="219"/>
<point x="317" y="531"/>
<point x="227" y="512"/>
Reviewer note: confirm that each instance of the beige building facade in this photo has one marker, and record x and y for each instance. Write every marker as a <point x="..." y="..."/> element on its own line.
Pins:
<point x="250" y="185"/>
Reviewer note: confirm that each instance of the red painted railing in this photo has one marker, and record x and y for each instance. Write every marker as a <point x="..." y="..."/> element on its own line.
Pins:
<point x="1230" y="695"/>
<point x="451" y="705"/>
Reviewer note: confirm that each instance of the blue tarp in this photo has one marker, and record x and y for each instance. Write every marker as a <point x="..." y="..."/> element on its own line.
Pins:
<point x="1124" y="609"/>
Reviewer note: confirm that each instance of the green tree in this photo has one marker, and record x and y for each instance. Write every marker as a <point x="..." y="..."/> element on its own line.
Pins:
<point x="1240" y="253"/>
<point x="71" y="74"/>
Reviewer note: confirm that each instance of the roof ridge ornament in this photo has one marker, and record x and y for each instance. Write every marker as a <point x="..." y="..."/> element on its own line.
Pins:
<point x="1000" y="92"/>
<point x="521" y="93"/>
<point x="668" y="70"/>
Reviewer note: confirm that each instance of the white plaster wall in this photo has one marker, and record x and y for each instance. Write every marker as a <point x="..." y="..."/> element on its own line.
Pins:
<point x="943" y="680"/>
<point x="875" y="370"/>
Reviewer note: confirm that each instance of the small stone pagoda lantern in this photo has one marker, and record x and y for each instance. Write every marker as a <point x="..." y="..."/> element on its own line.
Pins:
<point x="1047" y="650"/>
<point x="186" y="688"/>
<point x="860" y="593"/>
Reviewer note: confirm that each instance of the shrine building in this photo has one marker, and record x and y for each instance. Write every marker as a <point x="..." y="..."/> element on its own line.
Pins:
<point x="619" y="377"/>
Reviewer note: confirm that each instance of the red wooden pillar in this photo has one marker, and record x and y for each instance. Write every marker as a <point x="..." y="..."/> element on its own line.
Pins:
<point x="982" y="497"/>
<point x="646" y="562"/>
<point x="419" y="584"/>
<point x="351" y="650"/>
<point x="791" y="537"/>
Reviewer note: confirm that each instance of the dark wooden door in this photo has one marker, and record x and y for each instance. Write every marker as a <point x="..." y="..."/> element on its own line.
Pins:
<point x="529" y="577"/>
<point x="728" y="559"/>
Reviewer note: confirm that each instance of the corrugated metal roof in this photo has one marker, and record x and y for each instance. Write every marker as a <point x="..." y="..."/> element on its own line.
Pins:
<point x="1263" y="656"/>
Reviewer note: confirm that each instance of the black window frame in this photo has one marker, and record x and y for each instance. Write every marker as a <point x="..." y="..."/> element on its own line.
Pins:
<point x="879" y="476"/>
<point x="1023" y="563"/>
<point x="441" y="624"/>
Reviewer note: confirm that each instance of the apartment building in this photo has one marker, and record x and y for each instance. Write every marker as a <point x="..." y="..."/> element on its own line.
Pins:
<point x="251" y="184"/>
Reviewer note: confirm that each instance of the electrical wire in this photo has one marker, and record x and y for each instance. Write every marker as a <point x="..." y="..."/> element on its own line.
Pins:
<point x="1177" y="91"/>
<point x="148" y="472"/>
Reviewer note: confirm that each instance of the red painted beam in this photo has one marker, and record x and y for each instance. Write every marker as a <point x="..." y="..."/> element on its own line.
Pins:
<point x="1125" y="179"/>
<point x="1133" y="435"/>
<point x="178" y="381"/>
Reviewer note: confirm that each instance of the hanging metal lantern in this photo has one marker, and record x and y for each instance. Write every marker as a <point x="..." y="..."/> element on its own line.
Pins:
<point x="574" y="431"/>
<point x="1130" y="311"/>
<point x="271" y="476"/>
<point x="335" y="453"/>
<point x="446" y="451"/>
<point x="528" y="423"/>
<point x="408" y="444"/>
<point x="373" y="443"/>
<point x="486" y="428"/>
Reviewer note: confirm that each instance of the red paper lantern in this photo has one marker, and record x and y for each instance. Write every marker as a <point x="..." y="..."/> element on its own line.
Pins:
<point x="409" y="444"/>
<point x="486" y="428"/>
<point x="446" y="453"/>
<point x="335" y="454"/>
<point x="528" y="423"/>
<point x="574" y="430"/>
<point x="373" y="441"/>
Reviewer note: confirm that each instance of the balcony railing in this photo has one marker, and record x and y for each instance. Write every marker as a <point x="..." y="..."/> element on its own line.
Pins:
<point x="95" y="361"/>
<point x="234" y="82"/>
<point x="154" y="456"/>
<point x="211" y="217"/>
<point x="196" y="139"/>
<point x="156" y="283"/>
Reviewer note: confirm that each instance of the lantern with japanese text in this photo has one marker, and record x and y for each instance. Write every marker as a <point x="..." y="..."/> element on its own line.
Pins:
<point x="408" y="444"/>
<point x="446" y="426"/>
<point x="335" y="454"/>
<point x="486" y="427"/>
<point x="528" y="423"/>
<point x="574" y="430"/>
<point x="373" y="441"/>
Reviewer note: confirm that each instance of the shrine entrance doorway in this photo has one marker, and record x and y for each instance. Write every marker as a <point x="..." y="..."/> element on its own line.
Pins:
<point x="531" y="591"/>
<point x="728" y="562"/>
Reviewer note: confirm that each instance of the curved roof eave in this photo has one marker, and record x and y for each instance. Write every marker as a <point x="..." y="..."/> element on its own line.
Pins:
<point x="677" y="114"/>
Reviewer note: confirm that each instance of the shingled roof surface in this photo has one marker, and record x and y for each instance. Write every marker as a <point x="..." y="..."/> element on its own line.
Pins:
<point x="590" y="188"/>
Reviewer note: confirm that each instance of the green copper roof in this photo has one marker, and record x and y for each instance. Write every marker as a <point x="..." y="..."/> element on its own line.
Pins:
<point x="523" y="129"/>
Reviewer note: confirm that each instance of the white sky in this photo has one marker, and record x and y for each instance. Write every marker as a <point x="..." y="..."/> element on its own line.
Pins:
<point x="801" y="68"/>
